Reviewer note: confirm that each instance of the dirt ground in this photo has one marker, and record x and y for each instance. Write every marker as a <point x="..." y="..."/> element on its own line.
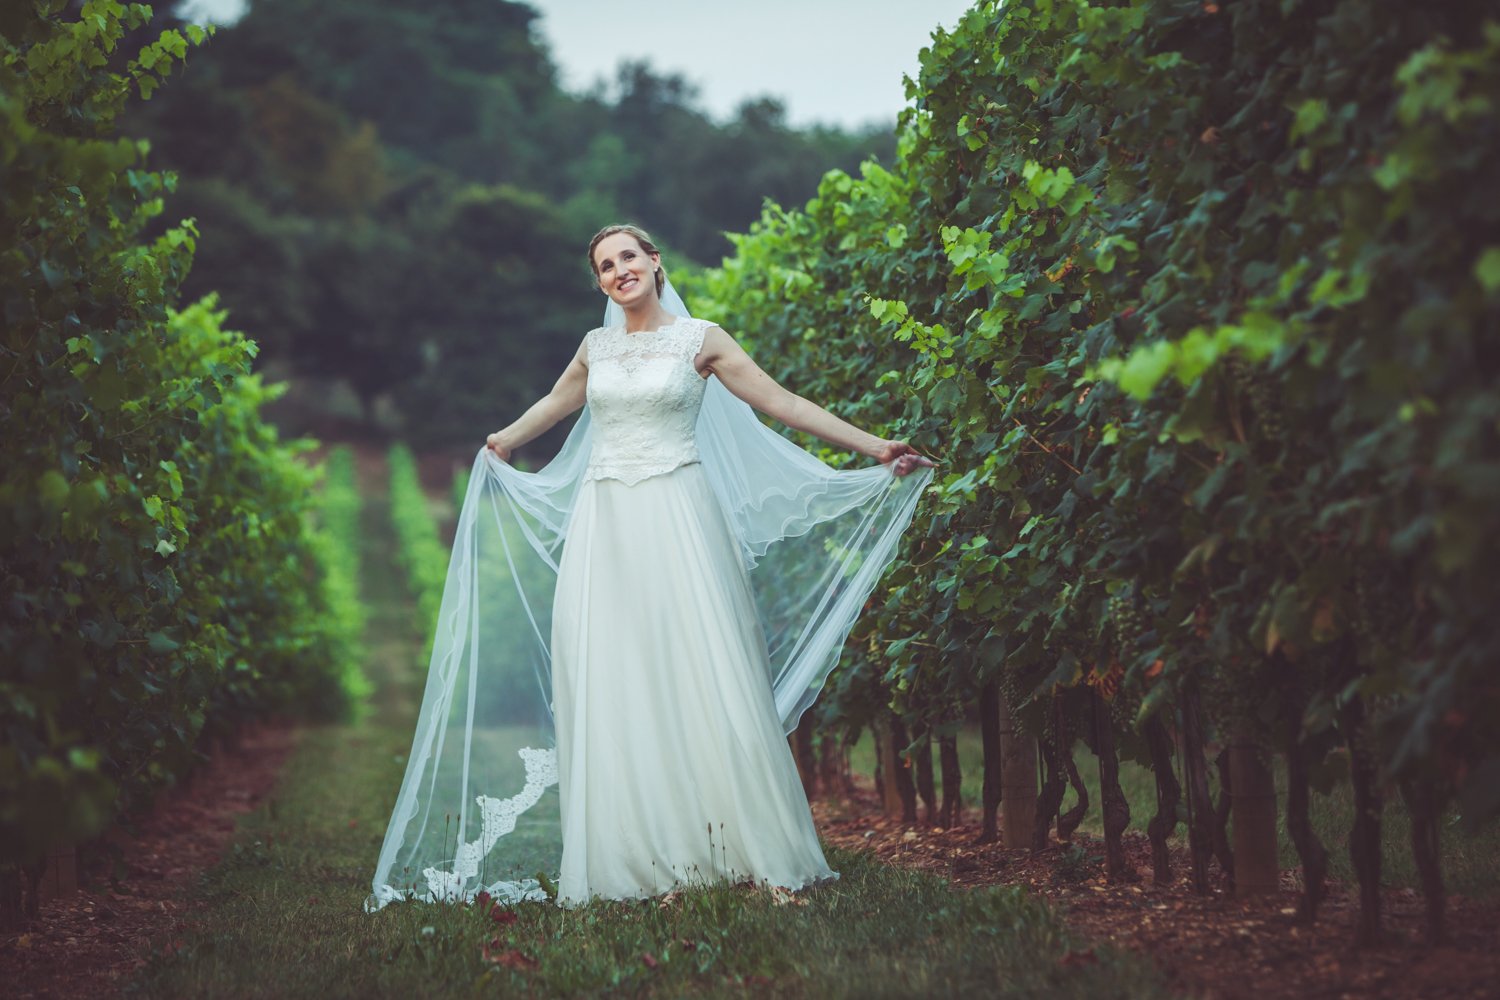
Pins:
<point x="134" y="899"/>
<point x="1215" y="947"/>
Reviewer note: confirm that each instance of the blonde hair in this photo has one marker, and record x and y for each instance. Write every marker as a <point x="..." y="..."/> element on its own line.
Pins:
<point x="636" y="233"/>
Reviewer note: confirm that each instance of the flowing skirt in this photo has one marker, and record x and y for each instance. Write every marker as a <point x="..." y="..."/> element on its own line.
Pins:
<point x="673" y="766"/>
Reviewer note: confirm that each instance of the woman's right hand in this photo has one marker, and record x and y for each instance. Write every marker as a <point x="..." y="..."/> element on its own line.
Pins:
<point x="902" y="458"/>
<point x="493" y="444"/>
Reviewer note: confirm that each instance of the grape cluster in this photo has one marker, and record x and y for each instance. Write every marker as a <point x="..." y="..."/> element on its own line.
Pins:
<point x="1126" y="621"/>
<point x="1266" y="400"/>
<point x="1239" y="374"/>
<point x="1124" y="618"/>
<point x="1010" y="688"/>
<point x="1126" y="706"/>
<point x="1016" y="686"/>
<point x="1232" y="695"/>
<point x="1260" y="389"/>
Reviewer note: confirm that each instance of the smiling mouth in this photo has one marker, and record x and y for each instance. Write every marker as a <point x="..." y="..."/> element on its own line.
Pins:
<point x="628" y="283"/>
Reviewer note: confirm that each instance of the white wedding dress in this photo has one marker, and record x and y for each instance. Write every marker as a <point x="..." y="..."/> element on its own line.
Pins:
<point x="626" y="637"/>
<point x="672" y="762"/>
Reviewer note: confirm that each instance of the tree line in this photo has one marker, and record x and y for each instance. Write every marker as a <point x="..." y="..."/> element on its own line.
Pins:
<point x="397" y="197"/>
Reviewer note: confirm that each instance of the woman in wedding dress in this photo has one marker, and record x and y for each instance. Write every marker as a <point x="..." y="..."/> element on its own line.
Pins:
<point x="672" y="763"/>
<point x="668" y="595"/>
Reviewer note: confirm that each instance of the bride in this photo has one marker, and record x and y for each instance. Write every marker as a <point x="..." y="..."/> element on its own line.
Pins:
<point x="640" y="623"/>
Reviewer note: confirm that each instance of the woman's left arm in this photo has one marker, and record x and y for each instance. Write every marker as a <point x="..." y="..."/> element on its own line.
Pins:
<point x="721" y="355"/>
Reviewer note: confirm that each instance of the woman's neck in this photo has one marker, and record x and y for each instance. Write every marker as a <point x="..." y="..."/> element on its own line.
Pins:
<point x="647" y="316"/>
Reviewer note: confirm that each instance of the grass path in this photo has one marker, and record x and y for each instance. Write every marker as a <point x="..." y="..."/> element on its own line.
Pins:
<point x="283" y="918"/>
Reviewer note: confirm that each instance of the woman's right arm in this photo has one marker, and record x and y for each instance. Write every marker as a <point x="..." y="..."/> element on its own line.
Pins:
<point x="566" y="397"/>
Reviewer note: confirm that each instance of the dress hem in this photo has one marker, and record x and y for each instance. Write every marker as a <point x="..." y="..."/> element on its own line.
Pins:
<point x="814" y="881"/>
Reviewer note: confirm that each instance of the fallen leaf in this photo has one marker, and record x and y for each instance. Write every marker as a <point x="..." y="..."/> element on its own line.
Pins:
<point x="785" y="897"/>
<point x="510" y="958"/>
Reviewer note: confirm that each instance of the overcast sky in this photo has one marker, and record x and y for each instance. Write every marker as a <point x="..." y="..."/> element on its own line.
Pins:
<point x="830" y="61"/>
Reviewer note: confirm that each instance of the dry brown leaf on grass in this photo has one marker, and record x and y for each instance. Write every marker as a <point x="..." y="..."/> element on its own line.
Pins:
<point x="785" y="897"/>
<point x="510" y="958"/>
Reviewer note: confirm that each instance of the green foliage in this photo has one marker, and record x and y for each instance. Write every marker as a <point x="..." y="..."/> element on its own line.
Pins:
<point x="419" y="549"/>
<point x="338" y="541"/>
<point x="160" y="571"/>
<point x="1198" y="307"/>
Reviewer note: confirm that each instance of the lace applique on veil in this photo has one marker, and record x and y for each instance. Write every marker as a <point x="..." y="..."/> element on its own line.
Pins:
<point x="498" y="819"/>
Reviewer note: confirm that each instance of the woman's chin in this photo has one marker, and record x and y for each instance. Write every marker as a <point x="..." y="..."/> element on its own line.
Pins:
<point x="631" y="297"/>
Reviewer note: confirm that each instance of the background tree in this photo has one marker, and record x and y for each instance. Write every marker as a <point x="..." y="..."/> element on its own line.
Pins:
<point x="396" y="198"/>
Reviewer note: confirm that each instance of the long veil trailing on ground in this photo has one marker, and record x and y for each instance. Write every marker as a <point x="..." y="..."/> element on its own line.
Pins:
<point x="478" y="808"/>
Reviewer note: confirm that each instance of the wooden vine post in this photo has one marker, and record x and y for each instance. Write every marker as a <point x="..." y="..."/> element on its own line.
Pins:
<point x="1257" y="870"/>
<point x="989" y="734"/>
<point x="925" y="779"/>
<point x="1116" y="809"/>
<point x="1422" y="803"/>
<point x="801" y="741"/>
<point x="899" y="792"/>
<point x="833" y="768"/>
<point x="1364" y="838"/>
<point x="1018" y="792"/>
<point x="952" y="776"/>
<point x="1168" y="795"/>
<point x="1199" y="802"/>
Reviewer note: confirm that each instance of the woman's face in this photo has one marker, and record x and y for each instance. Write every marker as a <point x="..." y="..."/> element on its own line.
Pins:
<point x="626" y="272"/>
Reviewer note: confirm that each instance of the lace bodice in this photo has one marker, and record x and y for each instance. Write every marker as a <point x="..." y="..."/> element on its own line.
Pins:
<point x="643" y="395"/>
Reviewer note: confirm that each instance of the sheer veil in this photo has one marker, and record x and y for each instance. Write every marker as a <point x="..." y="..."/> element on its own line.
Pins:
<point x="478" y="808"/>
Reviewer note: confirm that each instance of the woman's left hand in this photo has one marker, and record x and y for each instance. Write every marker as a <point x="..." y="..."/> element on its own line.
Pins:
<point x="903" y="458"/>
